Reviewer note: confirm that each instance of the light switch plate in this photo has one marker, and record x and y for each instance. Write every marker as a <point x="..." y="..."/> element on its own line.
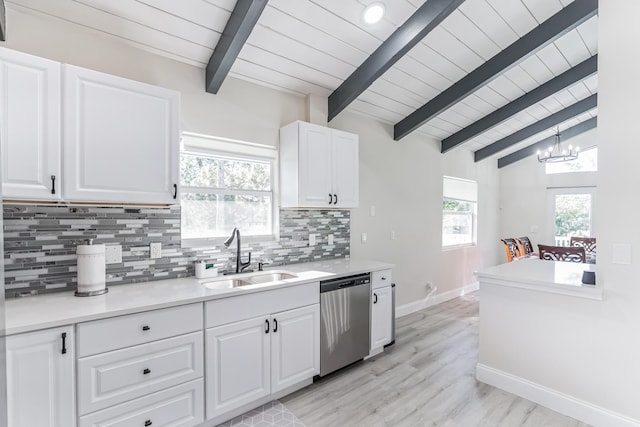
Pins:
<point x="155" y="250"/>
<point x="330" y="239"/>
<point x="363" y="237"/>
<point x="113" y="254"/>
<point x="312" y="239"/>
<point x="621" y="253"/>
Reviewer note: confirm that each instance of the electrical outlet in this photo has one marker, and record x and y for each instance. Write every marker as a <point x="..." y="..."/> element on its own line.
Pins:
<point x="363" y="237"/>
<point x="155" y="250"/>
<point x="113" y="254"/>
<point x="312" y="239"/>
<point x="392" y="235"/>
<point x="330" y="239"/>
<point x="372" y="210"/>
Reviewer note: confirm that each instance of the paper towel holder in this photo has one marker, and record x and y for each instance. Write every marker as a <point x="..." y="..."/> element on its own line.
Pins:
<point x="92" y="258"/>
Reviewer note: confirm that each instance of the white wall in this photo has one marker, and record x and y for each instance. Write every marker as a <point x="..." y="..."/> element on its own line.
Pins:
<point x="586" y="352"/>
<point x="524" y="195"/>
<point x="403" y="180"/>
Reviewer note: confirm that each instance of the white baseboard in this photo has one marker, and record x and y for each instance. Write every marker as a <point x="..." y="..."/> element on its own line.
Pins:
<point x="552" y="399"/>
<point x="412" y="307"/>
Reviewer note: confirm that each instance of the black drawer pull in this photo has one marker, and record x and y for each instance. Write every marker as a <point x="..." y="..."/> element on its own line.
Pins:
<point x="175" y="191"/>
<point x="64" y="343"/>
<point x="146" y="328"/>
<point x="275" y="325"/>
<point x="375" y="298"/>
<point x="53" y="184"/>
<point x="147" y="423"/>
<point x="330" y="198"/>
<point x="335" y="196"/>
<point x="266" y="331"/>
<point x="146" y="371"/>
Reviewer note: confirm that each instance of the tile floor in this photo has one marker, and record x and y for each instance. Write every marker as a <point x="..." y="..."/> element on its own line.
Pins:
<point x="273" y="414"/>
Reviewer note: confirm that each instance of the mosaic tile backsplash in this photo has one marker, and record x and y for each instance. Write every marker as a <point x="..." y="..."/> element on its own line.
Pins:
<point x="40" y="244"/>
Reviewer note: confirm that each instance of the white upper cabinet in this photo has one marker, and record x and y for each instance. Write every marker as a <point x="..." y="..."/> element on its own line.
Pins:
<point x="318" y="167"/>
<point x="121" y="139"/>
<point x="29" y="126"/>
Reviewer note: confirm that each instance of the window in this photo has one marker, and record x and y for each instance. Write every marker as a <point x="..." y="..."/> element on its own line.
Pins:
<point x="587" y="161"/>
<point x="459" y="212"/>
<point x="222" y="189"/>
<point x="572" y="213"/>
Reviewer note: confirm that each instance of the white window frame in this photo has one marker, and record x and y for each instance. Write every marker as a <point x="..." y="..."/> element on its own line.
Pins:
<point x="463" y="190"/>
<point x="586" y="150"/>
<point x="552" y="192"/>
<point x="228" y="149"/>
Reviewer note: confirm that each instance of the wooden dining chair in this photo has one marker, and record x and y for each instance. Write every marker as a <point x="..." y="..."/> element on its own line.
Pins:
<point x="511" y="248"/>
<point x="562" y="253"/>
<point x="526" y="247"/>
<point x="588" y="243"/>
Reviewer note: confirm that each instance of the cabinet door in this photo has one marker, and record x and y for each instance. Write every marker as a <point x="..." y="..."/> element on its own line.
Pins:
<point x="381" y="321"/>
<point x="121" y="139"/>
<point x="314" y="166"/>
<point x="237" y="365"/>
<point x="29" y="126"/>
<point x="295" y="346"/>
<point x="345" y="168"/>
<point x="40" y="379"/>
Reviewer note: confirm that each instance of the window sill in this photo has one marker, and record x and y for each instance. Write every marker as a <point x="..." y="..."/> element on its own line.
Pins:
<point x="460" y="246"/>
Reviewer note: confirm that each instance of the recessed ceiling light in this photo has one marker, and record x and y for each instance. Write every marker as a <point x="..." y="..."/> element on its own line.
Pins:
<point x="373" y="13"/>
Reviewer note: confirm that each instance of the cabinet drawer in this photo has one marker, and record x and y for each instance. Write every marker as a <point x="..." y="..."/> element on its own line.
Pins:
<point x="234" y="309"/>
<point x="115" y="377"/>
<point x="182" y="405"/>
<point x="104" y="335"/>
<point x="380" y="279"/>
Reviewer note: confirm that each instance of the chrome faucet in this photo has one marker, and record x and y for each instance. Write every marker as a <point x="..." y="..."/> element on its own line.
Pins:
<point x="240" y="266"/>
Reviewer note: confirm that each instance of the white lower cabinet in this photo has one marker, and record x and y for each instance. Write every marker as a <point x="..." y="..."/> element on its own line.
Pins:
<point x="381" y="309"/>
<point x="381" y="320"/>
<point x="182" y="405"/>
<point x="152" y="375"/>
<point x="40" y="378"/>
<point x="253" y="359"/>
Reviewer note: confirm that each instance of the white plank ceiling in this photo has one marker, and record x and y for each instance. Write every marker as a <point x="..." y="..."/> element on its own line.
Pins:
<point x="312" y="46"/>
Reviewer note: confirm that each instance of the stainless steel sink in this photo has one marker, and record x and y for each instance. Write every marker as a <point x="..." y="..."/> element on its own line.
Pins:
<point x="270" y="277"/>
<point x="248" y="279"/>
<point x="224" y="283"/>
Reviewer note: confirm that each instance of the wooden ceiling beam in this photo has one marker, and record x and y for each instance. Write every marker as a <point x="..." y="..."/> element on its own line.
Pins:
<point x="548" y="122"/>
<point x="244" y="17"/>
<point x="550" y="30"/>
<point x="568" y="78"/>
<point x="545" y="143"/>
<point x="426" y="18"/>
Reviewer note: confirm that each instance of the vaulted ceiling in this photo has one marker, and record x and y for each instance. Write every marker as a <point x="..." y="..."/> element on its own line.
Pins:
<point x="493" y="76"/>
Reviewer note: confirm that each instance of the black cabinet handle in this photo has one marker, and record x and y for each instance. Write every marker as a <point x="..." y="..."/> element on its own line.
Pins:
<point x="175" y="191"/>
<point x="330" y="198"/>
<point x="335" y="201"/>
<point x="275" y="325"/>
<point x="266" y="331"/>
<point x="375" y="298"/>
<point x="147" y="423"/>
<point x="64" y="343"/>
<point x="146" y="328"/>
<point x="383" y="278"/>
<point x="146" y="371"/>
<point x="53" y="184"/>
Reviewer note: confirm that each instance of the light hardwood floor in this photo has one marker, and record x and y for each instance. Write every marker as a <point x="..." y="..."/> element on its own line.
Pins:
<point x="427" y="378"/>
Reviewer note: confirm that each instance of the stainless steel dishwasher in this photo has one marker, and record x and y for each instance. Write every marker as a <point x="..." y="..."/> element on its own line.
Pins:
<point x="344" y="321"/>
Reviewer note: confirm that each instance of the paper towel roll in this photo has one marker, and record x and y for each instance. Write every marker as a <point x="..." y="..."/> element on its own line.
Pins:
<point x="91" y="270"/>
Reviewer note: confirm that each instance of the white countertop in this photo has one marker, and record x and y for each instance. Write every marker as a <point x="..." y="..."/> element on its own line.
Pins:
<point x="63" y="308"/>
<point x="558" y="277"/>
